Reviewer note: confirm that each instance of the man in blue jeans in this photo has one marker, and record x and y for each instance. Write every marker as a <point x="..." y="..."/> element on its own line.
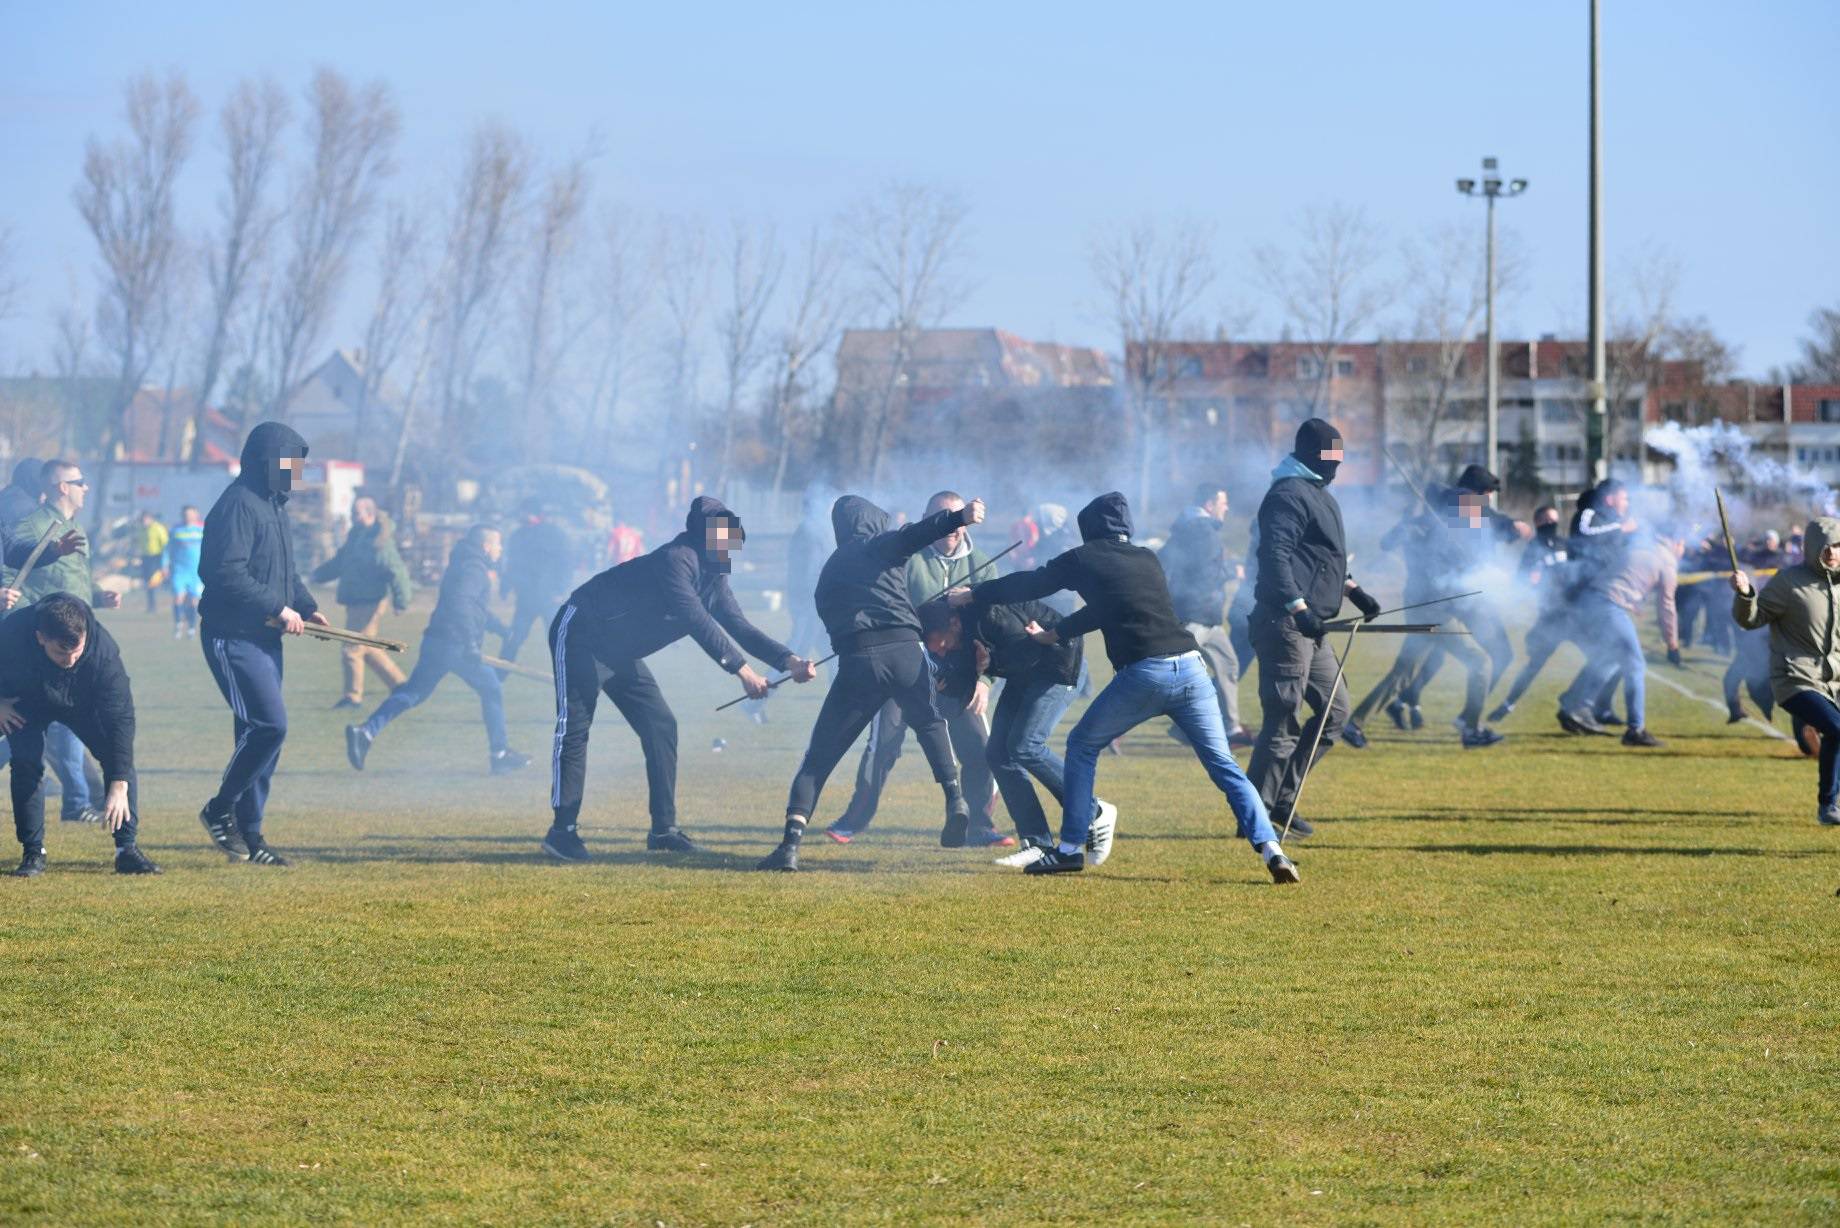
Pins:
<point x="1604" y="617"/>
<point x="1159" y="673"/>
<point x="451" y="645"/>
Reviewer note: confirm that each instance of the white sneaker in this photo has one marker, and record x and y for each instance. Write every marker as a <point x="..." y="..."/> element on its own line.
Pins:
<point x="1099" y="839"/>
<point x="1027" y="855"/>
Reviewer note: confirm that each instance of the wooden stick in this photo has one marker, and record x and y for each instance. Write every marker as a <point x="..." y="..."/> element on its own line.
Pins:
<point x="1731" y="551"/>
<point x="512" y="667"/>
<point x="340" y="635"/>
<point x="25" y="572"/>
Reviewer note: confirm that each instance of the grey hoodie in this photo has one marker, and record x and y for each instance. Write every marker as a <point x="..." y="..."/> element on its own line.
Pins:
<point x="1798" y="605"/>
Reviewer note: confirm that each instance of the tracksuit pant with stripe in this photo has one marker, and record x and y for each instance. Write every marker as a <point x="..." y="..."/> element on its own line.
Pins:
<point x="867" y="678"/>
<point x="581" y="679"/>
<point x="248" y="673"/>
<point x="28" y="787"/>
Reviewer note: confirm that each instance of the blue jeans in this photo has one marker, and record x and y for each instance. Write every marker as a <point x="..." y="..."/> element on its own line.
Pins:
<point x="441" y="657"/>
<point x="1180" y="689"/>
<point x="28" y="792"/>
<point x="1818" y="710"/>
<point x="65" y="755"/>
<point x="248" y="674"/>
<point x="1026" y="714"/>
<point x="1613" y="646"/>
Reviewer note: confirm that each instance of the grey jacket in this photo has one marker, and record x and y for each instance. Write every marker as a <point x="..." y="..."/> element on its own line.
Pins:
<point x="1798" y="605"/>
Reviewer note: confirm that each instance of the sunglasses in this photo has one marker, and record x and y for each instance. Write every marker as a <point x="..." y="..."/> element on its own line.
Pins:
<point x="76" y="481"/>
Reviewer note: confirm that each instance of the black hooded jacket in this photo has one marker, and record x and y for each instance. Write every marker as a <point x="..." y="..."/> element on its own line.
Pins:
<point x="862" y="590"/>
<point x="1195" y="561"/>
<point x="633" y="610"/>
<point x="17" y="501"/>
<point x="462" y="614"/>
<point x="247" y="560"/>
<point x="93" y="699"/>
<point x="1000" y="628"/>
<point x="538" y="562"/>
<point x="1302" y="552"/>
<point x="1127" y="597"/>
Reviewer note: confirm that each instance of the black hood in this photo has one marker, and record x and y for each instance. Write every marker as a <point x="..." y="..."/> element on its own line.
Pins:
<point x="267" y="444"/>
<point x="703" y="509"/>
<point x="1315" y="437"/>
<point x="26" y="474"/>
<point x="854" y="518"/>
<point x="1107" y="518"/>
<point x="466" y="550"/>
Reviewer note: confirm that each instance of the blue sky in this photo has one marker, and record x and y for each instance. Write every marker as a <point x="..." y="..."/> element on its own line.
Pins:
<point x="1721" y="126"/>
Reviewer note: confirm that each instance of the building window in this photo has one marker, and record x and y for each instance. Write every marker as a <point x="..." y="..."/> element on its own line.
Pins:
<point x="1829" y="410"/>
<point x="1309" y="368"/>
<point x="1801" y="456"/>
<point x="1344" y="368"/>
<point x="1190" y="369"/>
<point x="1418" y="365"/>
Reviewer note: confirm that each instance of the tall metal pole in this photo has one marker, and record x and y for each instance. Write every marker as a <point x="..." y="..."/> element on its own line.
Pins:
<point x="1595" y="428"/>
<point x="1493" y="446"/>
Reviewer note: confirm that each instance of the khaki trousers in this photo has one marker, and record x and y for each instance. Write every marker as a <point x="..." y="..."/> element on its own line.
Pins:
<point x="363" y="618"/>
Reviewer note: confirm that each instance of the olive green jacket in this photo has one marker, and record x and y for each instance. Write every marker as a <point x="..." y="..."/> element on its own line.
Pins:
<point x="53" y="573"/>
<point x="369" y="567"/>
<point x="1799" y="606"/>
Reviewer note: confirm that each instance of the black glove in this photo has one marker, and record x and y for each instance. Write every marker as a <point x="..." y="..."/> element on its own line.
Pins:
<point x="1364" y="602"/>
<point x="1674" y="657"/>
<point x="1310" y="626"/>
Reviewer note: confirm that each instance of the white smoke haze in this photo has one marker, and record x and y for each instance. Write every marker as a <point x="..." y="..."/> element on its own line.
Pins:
<point x="1757" y="488"/>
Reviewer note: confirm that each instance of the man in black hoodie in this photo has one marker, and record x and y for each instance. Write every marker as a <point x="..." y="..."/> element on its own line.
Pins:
<point x="869" y="614"/>
<point x="599" y="640"/>
<point x="253" y="595"/>
<point x="1159" y="672"/>
<point x="462" y="616"/>
<point x="538" y="568"/>
<point x="1303" y="580"/>
<point x="57" y="663"/>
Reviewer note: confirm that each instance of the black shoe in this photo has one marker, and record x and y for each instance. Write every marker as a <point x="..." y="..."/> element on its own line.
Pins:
<point x="1607" y="718"/>
<point x="1580" y="722"/>
<point x="357" y="745"/>
<point x="1475" y="739"/>
<point x="958" y="823"/>
<point x="784" y="857"/>
<point x="223" y="834"/>
<point x="1501" y="713"/>
<point x="1056" y="862"/>
<point x="31" y="865"/>
<point x="508" y="761"/>
<point x="1352" y="736"/>
<point x="260" y="854"/>
<point x="1396" y="712"/>
<point x="565" y="845"/>
<point x="670" y="840"/>
<point x="89" y="814"/>
<point x="1639" y="737"/>
<point x="1417" y="717"/>
<point x="131" y="860"/>
<point x="1301" y="828"/>
<point x="1734" y="715"/>
<point x="345" y="701"/>
<point x="1283" y="869"/>
<point x="1240" y="739"/>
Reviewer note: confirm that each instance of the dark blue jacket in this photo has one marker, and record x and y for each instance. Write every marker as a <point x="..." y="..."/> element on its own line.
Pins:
<point x="247" y="559"/>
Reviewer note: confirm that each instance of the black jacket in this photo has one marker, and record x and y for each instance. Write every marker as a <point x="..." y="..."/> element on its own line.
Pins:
<point x="1301" y="549"/>
<point x="862" y="590"/>
<point x="633" y="610"/>
<point x="247" y="559"/>
<point x="462" y="614"/>
<point x="93" y="699"/>
<point x="17" y="501"/>
<point x="1195" y="561"/>
<point x="999" y="628"/>
<point x="538" y="562"/>
<point x="1126" y="595"/>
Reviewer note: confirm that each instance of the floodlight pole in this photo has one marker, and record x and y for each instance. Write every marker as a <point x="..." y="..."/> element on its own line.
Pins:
<point x="1596" y="421"/>
<point x="1490" y="188"/>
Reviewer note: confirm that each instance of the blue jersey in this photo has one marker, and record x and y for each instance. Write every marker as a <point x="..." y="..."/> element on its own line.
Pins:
<point x="182" y="556"/>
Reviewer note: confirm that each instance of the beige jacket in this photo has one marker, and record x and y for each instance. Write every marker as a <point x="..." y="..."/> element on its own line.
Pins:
<point x="1798" y="605"/>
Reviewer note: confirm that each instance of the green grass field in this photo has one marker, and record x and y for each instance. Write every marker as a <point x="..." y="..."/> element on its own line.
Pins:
<point x="1555" y="981"/>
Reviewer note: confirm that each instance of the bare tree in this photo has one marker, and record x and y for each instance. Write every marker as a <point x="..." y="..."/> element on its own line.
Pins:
<point x="1820" y="359"/>
<point x="396" y="309"/>
<point x="1641" y="313"/>
<point x="908" y="246"/>
<point x="756" y="262"/>
<point x="1327" y="289"/>
<point x="353" y="136"/>
<point x="9" y="279"/>
<point x="626" y="279"/>
<point x="684" y="278"/>
<point x="126" y="199"/>
<point x="813" y="320"/>
<point x="1151" y="282"/>
<point x="544" y="339"/>
<point x="251" y="123"/>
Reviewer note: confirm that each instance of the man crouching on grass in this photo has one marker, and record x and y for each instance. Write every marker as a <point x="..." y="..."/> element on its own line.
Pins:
<point x="58" y="664"/>
<point x="1159" y="673"/>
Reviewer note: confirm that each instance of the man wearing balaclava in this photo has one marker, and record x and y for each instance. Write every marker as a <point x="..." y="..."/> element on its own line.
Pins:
<point x="598" y="643"/>
<point x="253" y="595"/>
<point x="1303" y="580"/>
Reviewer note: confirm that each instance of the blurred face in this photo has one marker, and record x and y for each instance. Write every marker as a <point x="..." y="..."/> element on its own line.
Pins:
<point x="946" y="640"/>
<point x="191" y="516"/>
<point x="62" y="657"/>
<point x="1830" y="557"/>
<point x="1469" y="510"/>
<point x="1217" y="505"/>
<point x="1618" y="502"/>
<point x="953" y="541"/>
<point x="364" y="512"/>
<point x="492" y="544"/>
<point x="720" y="539"/>
<point x="71" y="487"/>
<point x="288" y="470"/>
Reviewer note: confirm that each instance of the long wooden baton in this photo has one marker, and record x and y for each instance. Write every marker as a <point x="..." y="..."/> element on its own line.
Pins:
<point x="1725" y="528"/>
<point x="341" y="636"/>
<point x="512" y="667"/>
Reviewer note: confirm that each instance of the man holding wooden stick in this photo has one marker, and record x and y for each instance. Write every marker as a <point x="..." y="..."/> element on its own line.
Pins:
<point x="253" y="595"/>
<point x="462" y="616"/>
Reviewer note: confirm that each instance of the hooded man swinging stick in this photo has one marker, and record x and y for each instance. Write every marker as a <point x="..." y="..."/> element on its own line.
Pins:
<point x="1303" y="580"/>
<point x="599" y="641"/>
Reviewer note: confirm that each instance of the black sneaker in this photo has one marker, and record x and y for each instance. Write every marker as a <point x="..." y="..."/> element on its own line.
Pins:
<point x="1828" y="815"/>
<point x="670" y="840"/>
<point x="958" y="823"/>
<point x="1056" y="862"/>
<point x="260" y="854"/>
<point x="345" y="701"/>
<point x="31" y="865"/>
<point x="784" y="857"/>
<point x="565" y="845"/>
<point x="508" y="761"/>
<point x="1396" y="712"/>
<point x="1608" y="718"/>
<point x="1474" y="739"/>
<point x="1417" y="718"/>
<point x="131" y="860"/>
<point x="1352" y="736"/>
<point x="89" y="814"/>
<point x="1283" y="869"/>
<point x="1501" y="713"/>
<point x="223" y="834"/>
<point x="1734" y="715"/>
<point x="1580" y="722"/>
<point x="1639" y="737"/>
<point x="357" y="745"/>
<point x="1301" y="828"/>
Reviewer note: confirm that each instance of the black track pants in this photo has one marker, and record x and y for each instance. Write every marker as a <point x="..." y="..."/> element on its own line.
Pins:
<point x="866" y="680"/>
<point x="581" y="679"/>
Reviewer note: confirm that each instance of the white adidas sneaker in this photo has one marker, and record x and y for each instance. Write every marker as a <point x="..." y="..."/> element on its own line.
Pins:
<point x="1027" y="855"/>
<point x="1099" y="839"/>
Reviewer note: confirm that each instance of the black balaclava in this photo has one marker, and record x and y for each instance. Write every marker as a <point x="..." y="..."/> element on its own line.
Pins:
<point x="1313" y="439"/>
<point x="1548" y="532"/>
